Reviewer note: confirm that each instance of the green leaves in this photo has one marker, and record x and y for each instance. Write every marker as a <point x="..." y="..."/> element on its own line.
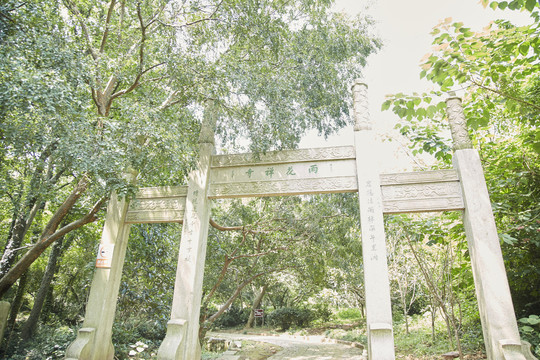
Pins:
<point x="529" y="5"/>
<point x="422" y="123"/>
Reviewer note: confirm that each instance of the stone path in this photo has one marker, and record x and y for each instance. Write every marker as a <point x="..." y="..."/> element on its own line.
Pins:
<point x="300" y="347"/>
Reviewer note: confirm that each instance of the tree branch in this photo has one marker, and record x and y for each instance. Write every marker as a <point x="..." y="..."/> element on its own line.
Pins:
<point x="47" y="238"/>
<point x="503" y="94"/>
<point x="226" y="228"/>
<point x="271" y="251"/>
<point x="136" y="83"/>
<point x="107" y="23"/>
<point x="71" y="6"/>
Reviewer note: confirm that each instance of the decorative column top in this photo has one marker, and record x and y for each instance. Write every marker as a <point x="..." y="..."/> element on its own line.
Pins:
<point x="458" y="124"/>
<point x="131" y="175"/>
<point x="208" y="123"/>
<point x="360" y="106"/>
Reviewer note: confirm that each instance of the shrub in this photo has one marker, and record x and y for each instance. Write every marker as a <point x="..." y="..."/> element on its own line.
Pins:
<point x="350" y="313"/>
<point x="287" y="317"/>
<point x="48" y="343"/>
<point x="322" y="312"/>
<point x="530" y="331"/>
<point x="233" y="317"/>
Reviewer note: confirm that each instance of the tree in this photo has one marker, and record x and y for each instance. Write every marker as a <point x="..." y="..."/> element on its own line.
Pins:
<point x="498" y="71"/>
<point x="403" y="272"/>
<point x="435" y="244"/>
<point x="256" y="305"/>
<point x="274" y="243"/>
<point x="107" y="86"/>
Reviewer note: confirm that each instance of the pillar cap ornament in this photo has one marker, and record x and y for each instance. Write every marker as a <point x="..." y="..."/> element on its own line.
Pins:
<point x="360" y="106"/>
<point x="458" y="123"/>
<point x="206" y="135"/>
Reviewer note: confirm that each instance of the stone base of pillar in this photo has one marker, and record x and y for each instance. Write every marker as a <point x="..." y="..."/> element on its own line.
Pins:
<point x="514" y="350"/>
<point x="173" y="346"/>
<point x="381" y="342"/>
<point x="81" y="348"/>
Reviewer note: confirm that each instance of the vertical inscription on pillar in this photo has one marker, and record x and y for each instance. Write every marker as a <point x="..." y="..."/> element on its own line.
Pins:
<point x="192" y="224"/>
<point x="371" y="229"/>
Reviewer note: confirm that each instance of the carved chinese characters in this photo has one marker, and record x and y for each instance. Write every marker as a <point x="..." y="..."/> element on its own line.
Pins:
<point x="291" y="172"/>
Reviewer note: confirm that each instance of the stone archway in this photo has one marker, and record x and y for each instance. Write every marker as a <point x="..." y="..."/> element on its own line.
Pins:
<point x="310" y="171"/>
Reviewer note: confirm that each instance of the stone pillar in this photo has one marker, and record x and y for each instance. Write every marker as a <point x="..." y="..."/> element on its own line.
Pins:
<point x="501" y="335"/>
<point x="4" y="313"/>
<point x="93" y="340"/>
<point x="182" y="339"/>
<point x="378" y="307"/>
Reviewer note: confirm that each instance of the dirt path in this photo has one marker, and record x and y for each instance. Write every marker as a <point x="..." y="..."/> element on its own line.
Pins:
<point x="313" y="347"/>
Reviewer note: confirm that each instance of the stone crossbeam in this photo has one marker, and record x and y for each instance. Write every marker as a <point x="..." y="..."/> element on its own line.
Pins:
<point x="401" y="192"/>
<point x="421" y="191"/>
<point x="157" y="205"/>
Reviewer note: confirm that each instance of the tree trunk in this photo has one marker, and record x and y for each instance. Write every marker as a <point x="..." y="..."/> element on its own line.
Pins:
<point x="31" y="324"/>
<point x="50" y="234"/>
<point x="26" y="213"/>
<point x="224" y="307"/>
<point x="256" y="305"/>
<point x="433" y="316"/>
<point x="405" y="316"/>
<point x="18" y="232"/>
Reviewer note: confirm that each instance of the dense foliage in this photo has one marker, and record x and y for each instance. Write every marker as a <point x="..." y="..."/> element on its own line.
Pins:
<point x="92" y="90"/>
<point x="498" y="73"/>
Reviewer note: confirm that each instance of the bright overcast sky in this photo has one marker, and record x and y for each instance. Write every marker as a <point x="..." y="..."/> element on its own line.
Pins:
<point x="404" y="27"/>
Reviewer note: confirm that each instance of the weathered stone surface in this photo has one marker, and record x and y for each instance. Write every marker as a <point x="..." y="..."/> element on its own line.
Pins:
<point x="158" y="205"/>
<point x="450" y="355"/>
<point x="458" y="124"/>
<point x="376" y="282"/>
<point x="402" y="192"/>
<point x="93" y="340"/>
<point x="4" y="313"/>
<point x="361" y="106"/>
<point x="81" y="348"/>
<point x="284" y="156"/>
<point x="430" y="196"/>
<point x="172" y="345"/>
<point x="285" y="171"/>
<point x="217" y="344"/>
<point x="190" y="270"/>
<point x="419" y="177"/>
<point x="286" y="187"/>
<point x="493" y="292"/>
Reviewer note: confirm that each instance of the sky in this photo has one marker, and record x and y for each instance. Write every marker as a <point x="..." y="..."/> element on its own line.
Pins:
<point x="404" y="27"/>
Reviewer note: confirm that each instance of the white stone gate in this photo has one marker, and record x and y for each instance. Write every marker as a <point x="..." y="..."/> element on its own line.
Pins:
<point x="310" y="171"/>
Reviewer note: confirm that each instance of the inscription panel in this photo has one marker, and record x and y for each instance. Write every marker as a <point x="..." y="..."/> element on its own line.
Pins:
<point x="422" y="205"/>
<point x="158" y="216"/>
<point x="161" y="192"/>
<point x="290" y="171"/>
<point x="415" y="191"/>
